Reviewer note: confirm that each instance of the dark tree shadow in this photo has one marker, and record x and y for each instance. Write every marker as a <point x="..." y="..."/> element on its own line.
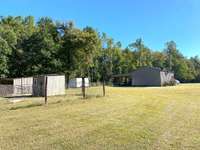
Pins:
<point x="26" y="106"/>
<point x="21" y="96"/>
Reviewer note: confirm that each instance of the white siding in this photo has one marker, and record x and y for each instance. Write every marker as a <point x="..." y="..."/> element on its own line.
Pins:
<point x="72" y="83"/>
<point x="166" y="77"/>
<point x="23" y="85"/>
<point x="55" y="85"/>
<point x="77" y="83"/>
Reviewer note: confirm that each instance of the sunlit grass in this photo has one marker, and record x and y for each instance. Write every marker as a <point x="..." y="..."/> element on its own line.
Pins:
<point x="127" y="118"/>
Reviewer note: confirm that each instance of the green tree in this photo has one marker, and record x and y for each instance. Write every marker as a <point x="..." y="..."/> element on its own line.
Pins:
<point x="178" y="63"/>
<point x="7" y="44"/>
<point x="159" y="59"/>
<point x="128" y="61"/>
<point x="195" y="61"/>
<point x="172" y="53"/>
<point x="142" y="53"/>
<point x="79" y="48"/>
<point x="41" y="50"/>
<point x="68" y="52"/>
<point x="21" y="28"/>
<point x="89" y="46"/>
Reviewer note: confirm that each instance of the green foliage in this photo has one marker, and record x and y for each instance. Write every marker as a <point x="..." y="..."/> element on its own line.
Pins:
<point x="195" y="63"/>
<point x="7" y="43"/>
<point x="30" y="48"/>
<point x="142" y="52"/>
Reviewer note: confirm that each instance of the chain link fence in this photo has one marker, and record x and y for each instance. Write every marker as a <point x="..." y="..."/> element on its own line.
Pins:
<point x="93" y="90"/>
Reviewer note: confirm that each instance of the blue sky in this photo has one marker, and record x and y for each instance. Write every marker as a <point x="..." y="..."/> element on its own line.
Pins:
<point x="155" y="21"/>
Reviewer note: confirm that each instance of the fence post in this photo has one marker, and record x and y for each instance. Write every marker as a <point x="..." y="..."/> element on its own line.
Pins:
<point x="83" y="87"/>
<point x="104" y="91"/>
<point x="45" y="88"/>
<point x="21" y="86"/>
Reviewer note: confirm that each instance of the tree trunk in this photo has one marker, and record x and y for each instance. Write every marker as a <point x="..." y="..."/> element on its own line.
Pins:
<point x="170" y="62"/>
<point x="83" y="87"/>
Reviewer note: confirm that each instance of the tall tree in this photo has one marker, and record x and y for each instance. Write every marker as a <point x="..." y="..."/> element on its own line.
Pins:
<point x="196" y="64"/>
<point x="68" y="52"/>
<point x="8" y="41"/>
<point x="128" y="61"/>
<point x="89" y="46"/>
<point x="142" y="52"/>
<point x="171" y="52"/>
<point x="159" y="59"/>
<point x="41" y="50"/>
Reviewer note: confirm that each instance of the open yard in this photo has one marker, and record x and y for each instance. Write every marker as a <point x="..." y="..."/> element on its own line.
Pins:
<point x="127" y="118"/>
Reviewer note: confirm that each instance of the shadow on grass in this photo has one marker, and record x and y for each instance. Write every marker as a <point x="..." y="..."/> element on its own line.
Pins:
<point x="22" y="96"/>
<point x="34" y="105"/>
<point x="26" y="106"/>
<point x="89" y="95"/>
<point x="94" y="96"/>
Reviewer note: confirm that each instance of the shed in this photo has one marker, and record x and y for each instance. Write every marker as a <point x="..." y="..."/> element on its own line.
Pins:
<point x="122" y="79"/>
<point x="55" y="85"/>
<point x="77" y="83"/>
<point x="145" y="76"/>
<point x="16" y="86"/>
<point x="23" y="86"/>
<point x="151" y="76"/>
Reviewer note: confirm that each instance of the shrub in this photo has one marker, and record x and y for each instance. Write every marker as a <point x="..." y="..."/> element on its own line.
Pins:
<point x="172" y="82"/>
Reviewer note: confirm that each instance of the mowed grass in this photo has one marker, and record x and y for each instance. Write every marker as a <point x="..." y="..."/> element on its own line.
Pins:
<point x="127" y="118"/>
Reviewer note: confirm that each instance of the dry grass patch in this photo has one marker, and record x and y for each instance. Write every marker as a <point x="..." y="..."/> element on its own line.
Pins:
<point x="127" y="118"/>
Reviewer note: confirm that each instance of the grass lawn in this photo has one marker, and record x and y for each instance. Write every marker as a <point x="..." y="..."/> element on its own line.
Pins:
<point x="127" y="118"/>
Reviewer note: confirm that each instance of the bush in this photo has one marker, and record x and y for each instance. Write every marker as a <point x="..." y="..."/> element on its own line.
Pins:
<point x="172" y="82"/>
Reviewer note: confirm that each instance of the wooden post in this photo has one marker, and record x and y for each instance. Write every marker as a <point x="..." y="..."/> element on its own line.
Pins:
<point x="83" y="87"/>
<point x="104" y="91"/>
<point x="45" y="89"/>
<point x="67" y="80"/>
<point x="21" y="86"/>
<point x="103" y="73"/>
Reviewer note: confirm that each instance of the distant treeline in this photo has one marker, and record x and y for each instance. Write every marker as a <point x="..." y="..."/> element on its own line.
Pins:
<point x="30" y="48"/>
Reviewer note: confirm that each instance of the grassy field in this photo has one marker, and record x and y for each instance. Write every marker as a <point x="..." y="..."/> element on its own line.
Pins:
<point x="127" y="118"/>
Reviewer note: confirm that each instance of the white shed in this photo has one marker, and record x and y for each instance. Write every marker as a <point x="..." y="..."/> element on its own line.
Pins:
<point x="22" y="86"/>
<point x="55" y="85"/>
<point x="16" y="86"/>
<point x="77" y="83"/>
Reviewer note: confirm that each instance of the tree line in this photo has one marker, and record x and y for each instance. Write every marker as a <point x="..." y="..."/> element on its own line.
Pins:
<point x="30" y="48"/>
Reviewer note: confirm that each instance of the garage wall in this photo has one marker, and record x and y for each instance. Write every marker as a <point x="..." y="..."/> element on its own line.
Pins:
<point x="146" y="77"/>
